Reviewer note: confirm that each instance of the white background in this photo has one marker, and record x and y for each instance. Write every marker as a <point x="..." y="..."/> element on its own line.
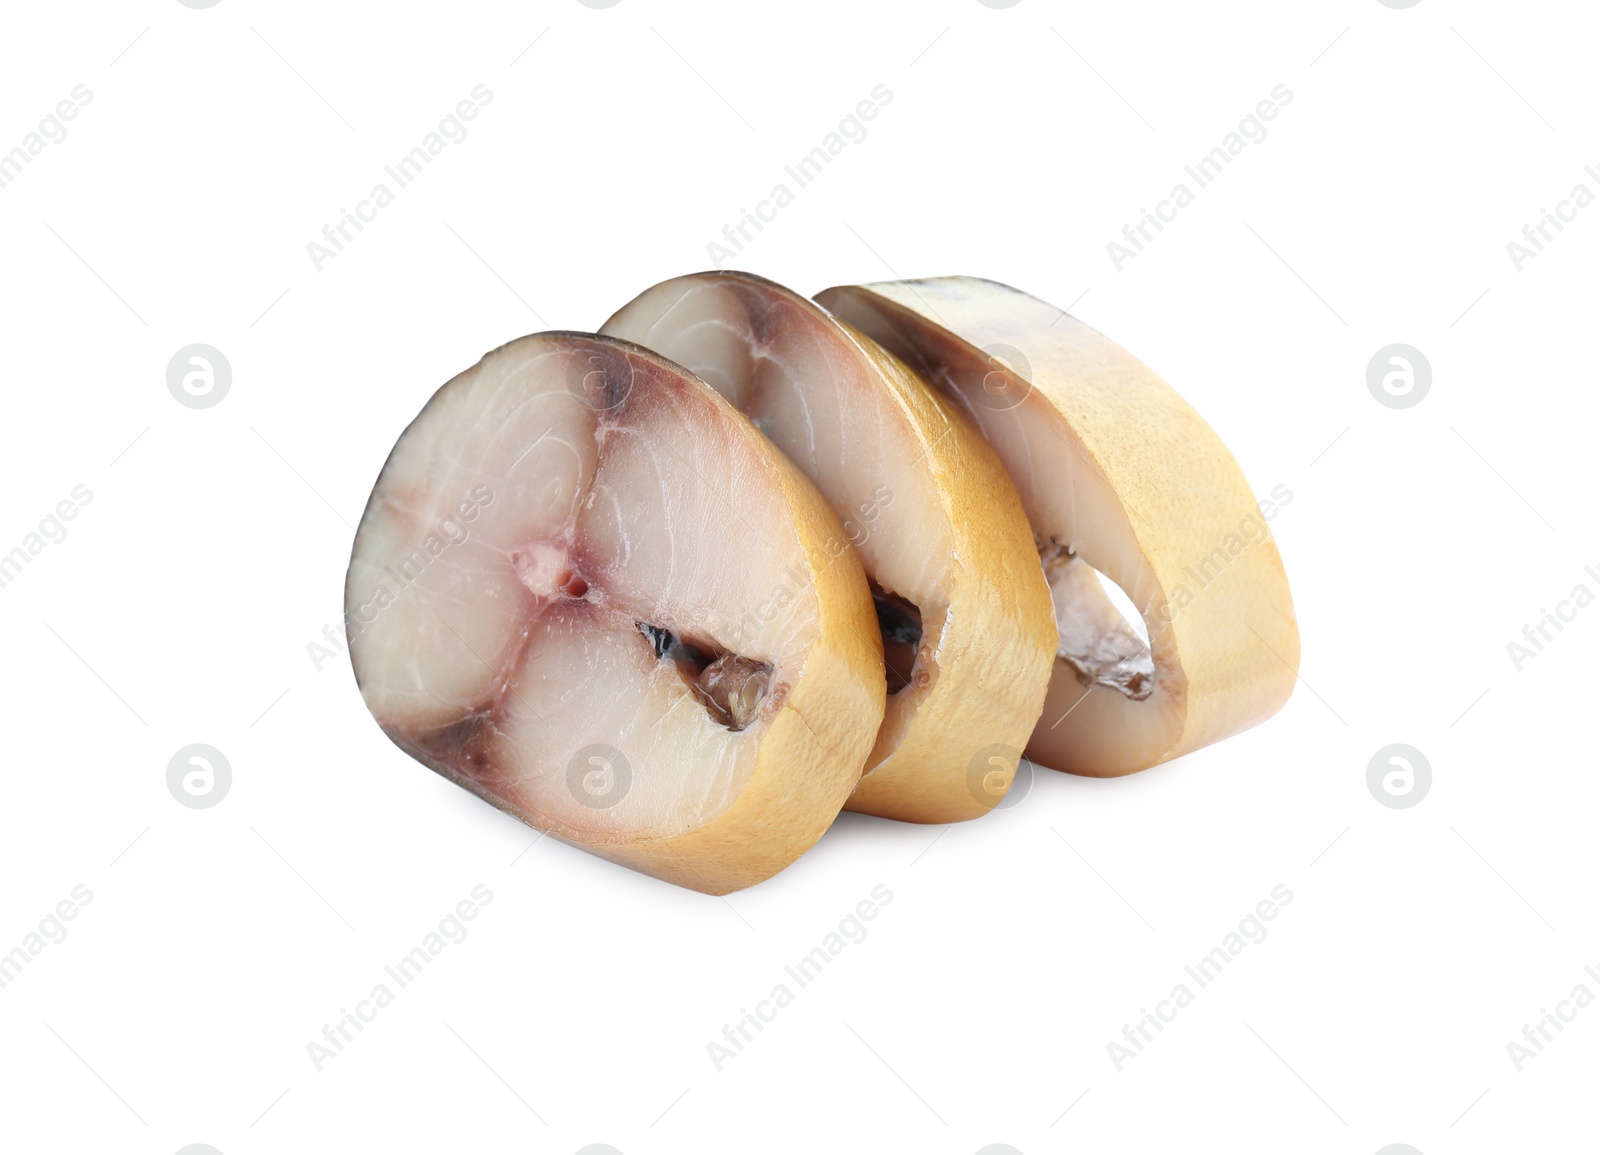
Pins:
<point x="978" y="1010"/>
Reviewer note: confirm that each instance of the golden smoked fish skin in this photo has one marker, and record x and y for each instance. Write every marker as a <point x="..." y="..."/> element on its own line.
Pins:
<point x="969" y="633"/>
<point x="1118" y="473"/>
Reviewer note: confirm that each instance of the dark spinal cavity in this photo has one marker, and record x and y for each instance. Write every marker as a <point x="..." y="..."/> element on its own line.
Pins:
<point x="731" y="687"/>
<point x="1101" y="648"/>
<point x="661" y="640"/>
<point x="901" y="624"/>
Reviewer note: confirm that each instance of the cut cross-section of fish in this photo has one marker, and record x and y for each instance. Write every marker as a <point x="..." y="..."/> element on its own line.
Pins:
<point x="963" y="607"/>
<point x="586" y="589"/>
<point x="1118" y="475"/>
